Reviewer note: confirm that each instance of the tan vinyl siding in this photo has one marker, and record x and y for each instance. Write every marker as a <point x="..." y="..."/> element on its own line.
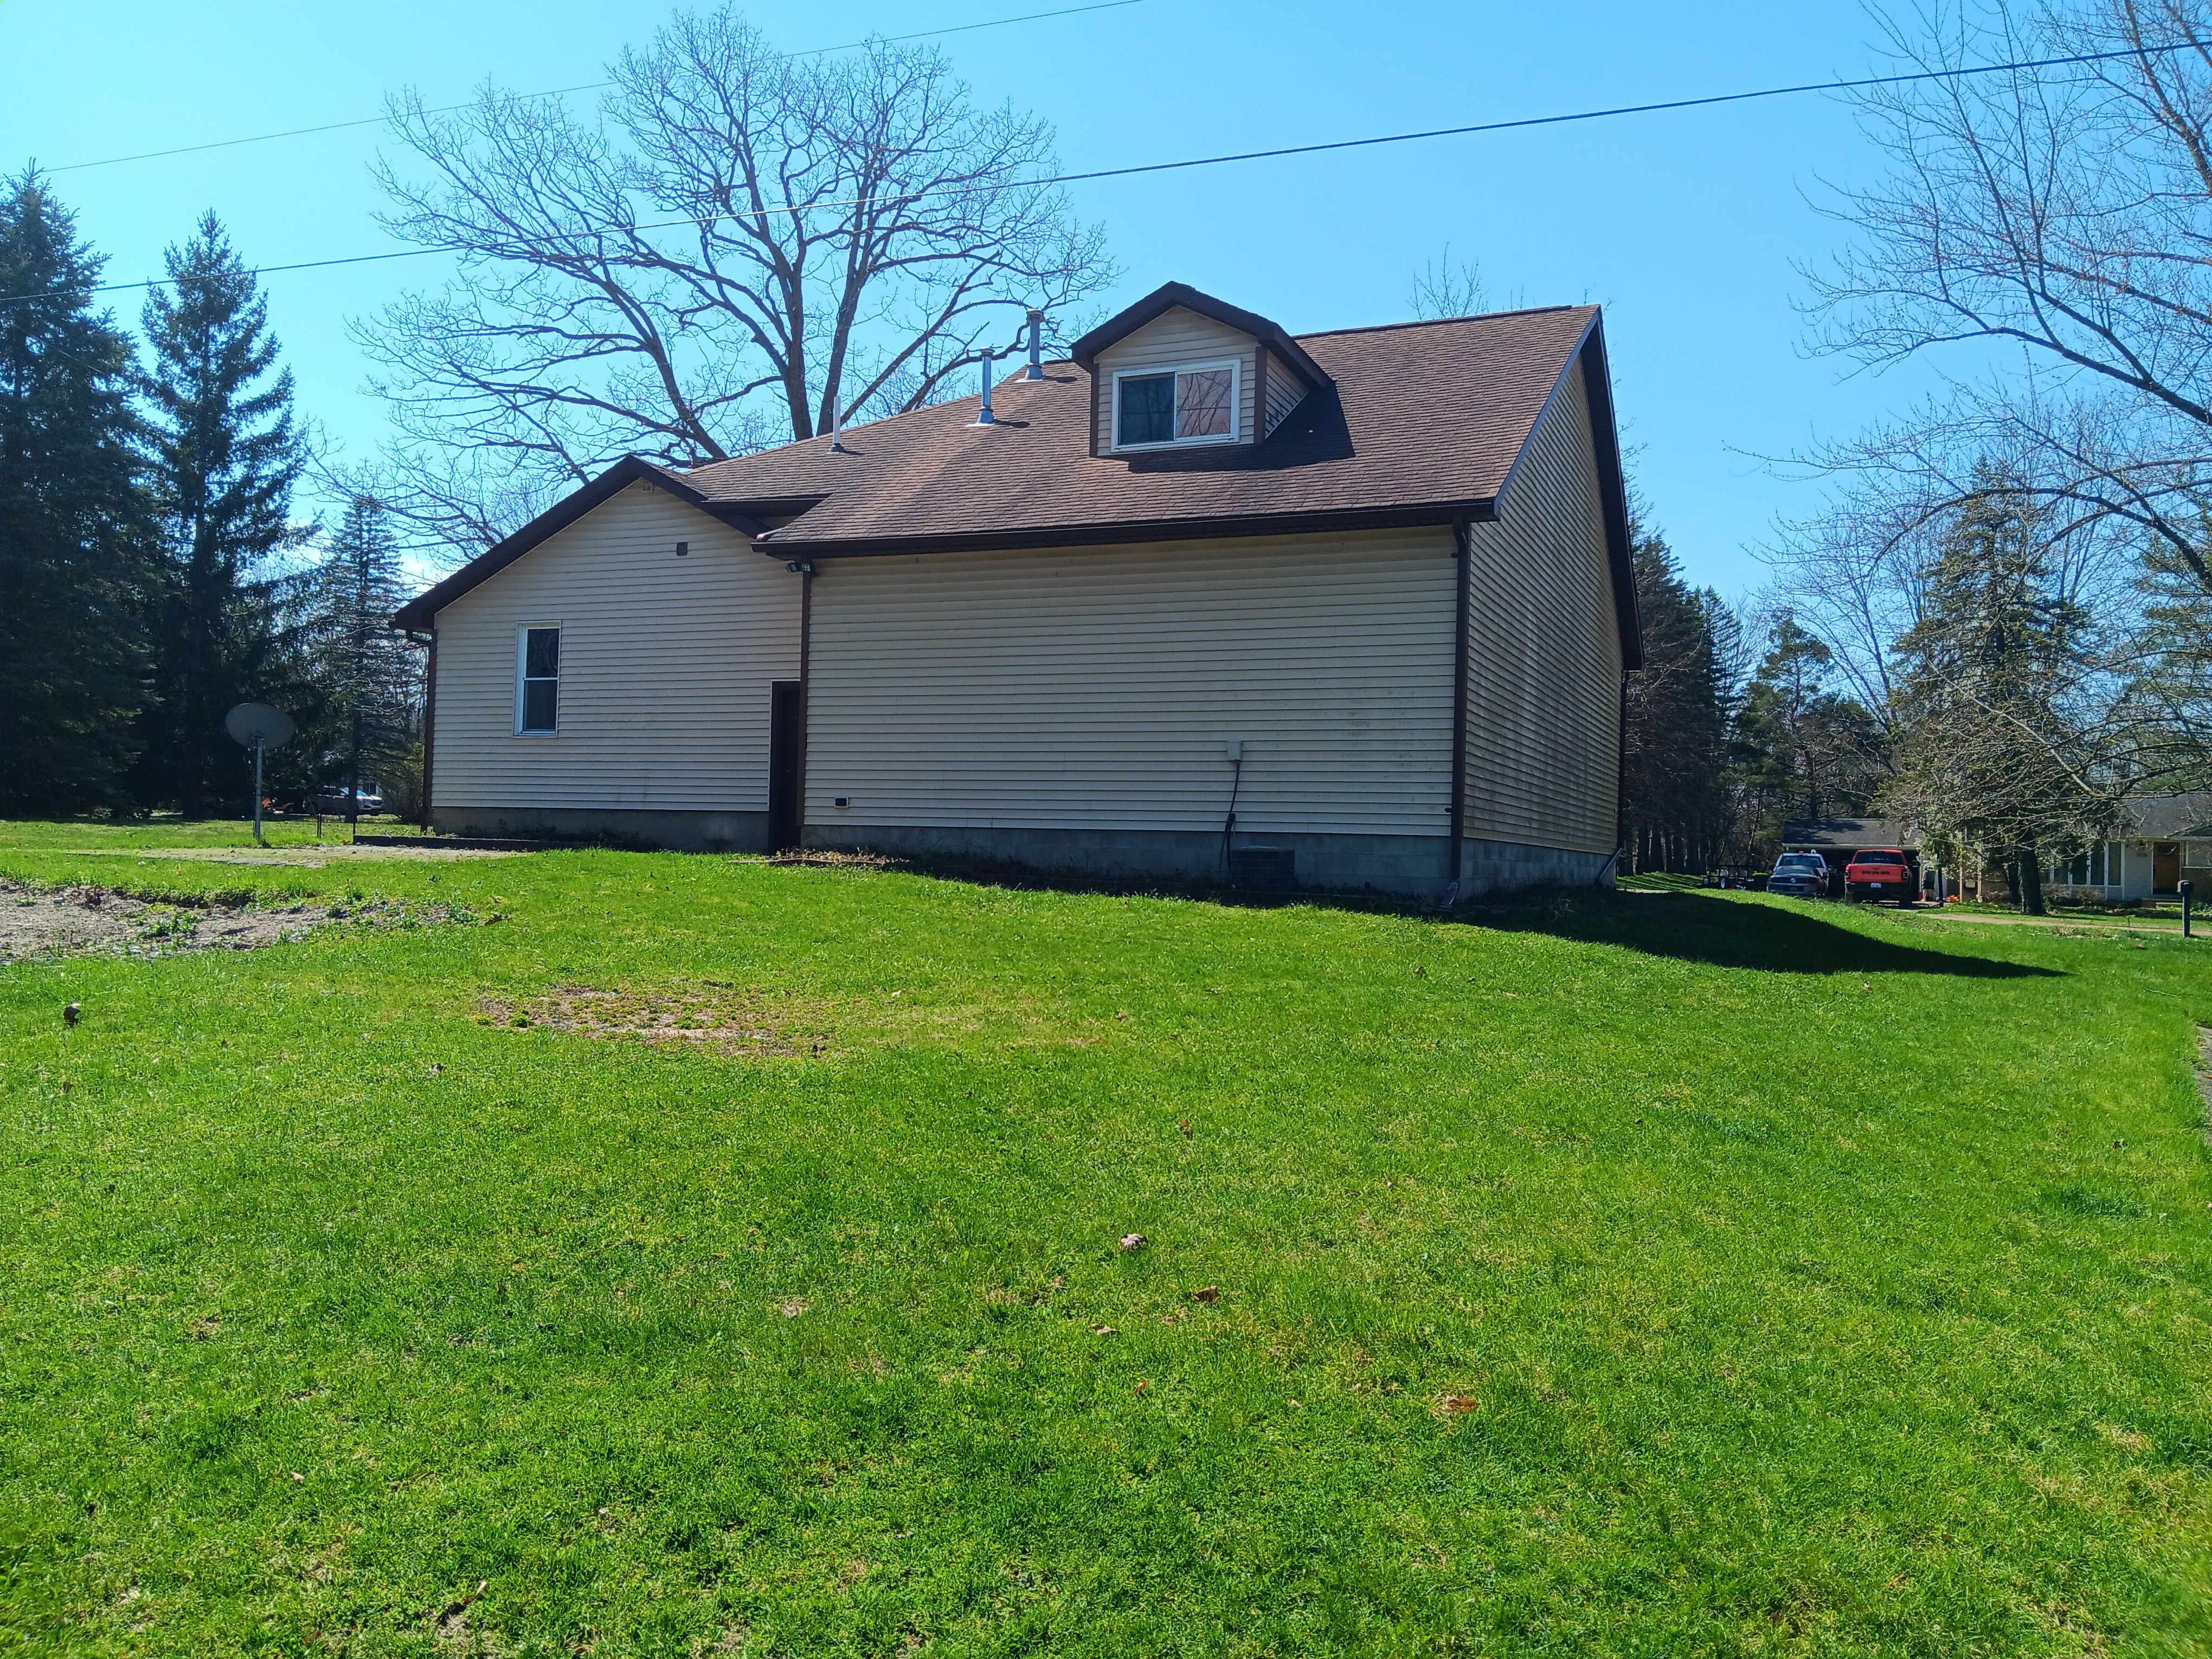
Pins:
<point x="1285" y="391"/>
<point x="1174" y="337"/>
<point x="1543" y="721"/>
<point x="1096" y="688"/>
<point x="666" y="664"/>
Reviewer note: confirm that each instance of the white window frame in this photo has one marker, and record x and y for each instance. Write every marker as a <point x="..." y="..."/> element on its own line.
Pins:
<point x="1236" y="367"/>
<point x="522" y="632"/>
<point x="2094" y="857"/>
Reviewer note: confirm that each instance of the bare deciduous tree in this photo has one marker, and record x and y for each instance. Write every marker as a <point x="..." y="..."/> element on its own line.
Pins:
<point x="1854" y="573"/>
<point x="2065" y="212"/>
<point x="2056" y="221"/>
<point x="742" y="247"/>
<point x="1445" y="290"/>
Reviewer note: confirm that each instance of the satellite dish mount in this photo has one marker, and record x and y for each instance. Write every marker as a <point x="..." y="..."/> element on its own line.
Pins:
<point x="258" y="726"/>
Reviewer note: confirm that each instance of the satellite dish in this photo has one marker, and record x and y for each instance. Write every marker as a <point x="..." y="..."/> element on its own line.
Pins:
<point x="257" y="725"/>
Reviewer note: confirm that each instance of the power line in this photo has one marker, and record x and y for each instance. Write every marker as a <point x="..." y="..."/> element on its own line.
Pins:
<point x="1316" y="149"/>
<point x="301" y="132"/>
<point x="1627" y="109"/>
<point x="563" y="92"/>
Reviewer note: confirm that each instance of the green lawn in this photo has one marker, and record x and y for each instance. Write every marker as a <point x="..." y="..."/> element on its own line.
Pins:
<point x="158" y="833"/>
<point x="1672" y="1272"/>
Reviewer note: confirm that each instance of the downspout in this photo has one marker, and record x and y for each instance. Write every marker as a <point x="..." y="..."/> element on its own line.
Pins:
<point x="806" y="569"/>
<point x="805" y="683"/>
<point x="1455" y="840"/>
<point x="429" y="720"/>
<point x="1619" y="781"/>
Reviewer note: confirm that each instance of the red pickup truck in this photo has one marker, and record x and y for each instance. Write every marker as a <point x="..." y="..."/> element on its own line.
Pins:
<point x="1880" y="872"/>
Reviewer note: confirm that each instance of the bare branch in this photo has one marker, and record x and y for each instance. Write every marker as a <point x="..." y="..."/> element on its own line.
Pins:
<point x="737" y="249"/>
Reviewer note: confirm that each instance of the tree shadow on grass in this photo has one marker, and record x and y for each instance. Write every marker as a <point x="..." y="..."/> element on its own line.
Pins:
<point x="1726" y="933"/>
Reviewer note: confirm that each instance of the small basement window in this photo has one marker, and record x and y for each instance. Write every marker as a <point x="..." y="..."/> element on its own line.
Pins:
<point x="537" y="680"/>
<point x="1194" y="405"/>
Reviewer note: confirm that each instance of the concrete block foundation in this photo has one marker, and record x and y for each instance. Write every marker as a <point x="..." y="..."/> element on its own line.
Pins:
<point x="1505" y="867"/>
<point x="1415" y="867"/>
<point x="681" y="831"/>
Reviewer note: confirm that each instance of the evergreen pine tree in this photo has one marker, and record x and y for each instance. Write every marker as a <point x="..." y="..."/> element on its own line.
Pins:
<point x="1993" y="756"/>
<point x="365" y="674"/>
<point x="72" y="523"/>
<point x="223" y="456"/>
<point x="2170" y="673"/>
<point x="1673" y="758"/>
<point x="1801" y="750"/>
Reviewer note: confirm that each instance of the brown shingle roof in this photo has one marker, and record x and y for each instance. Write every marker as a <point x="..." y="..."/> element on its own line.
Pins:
<point x="1421" y="416"/>
<point x="1422" y="423"/>
<point x="1850" y="833"/>
<point x="2166" y="818"/>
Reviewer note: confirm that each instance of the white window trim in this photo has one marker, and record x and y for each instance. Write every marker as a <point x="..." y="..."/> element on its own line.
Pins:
<point x="1236" y="367"/>
<point x="2098" y="869"/>
<point x="522" y="662"/>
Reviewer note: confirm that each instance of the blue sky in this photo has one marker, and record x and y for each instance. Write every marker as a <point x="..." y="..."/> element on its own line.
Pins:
<point x="1688" y="228"/>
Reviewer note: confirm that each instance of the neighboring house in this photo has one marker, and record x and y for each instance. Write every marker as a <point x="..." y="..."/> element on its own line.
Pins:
<point x="2159" y="841"/>
<point x="1836" y="839"/>
<point x="1204" y="599"/>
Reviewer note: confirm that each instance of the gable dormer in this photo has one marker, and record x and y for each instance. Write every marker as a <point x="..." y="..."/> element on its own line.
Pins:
<point x="1181" y="370"/>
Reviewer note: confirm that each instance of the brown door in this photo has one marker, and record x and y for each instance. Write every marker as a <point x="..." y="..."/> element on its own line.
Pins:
<point x="2164" y="865"/>
<point x="786" y="763"/>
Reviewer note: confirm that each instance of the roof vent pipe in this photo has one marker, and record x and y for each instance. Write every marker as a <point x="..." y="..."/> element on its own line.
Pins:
<point x="983" y="416"/>
<point x="1037" y="345"/>
<point x="836" y="429"/>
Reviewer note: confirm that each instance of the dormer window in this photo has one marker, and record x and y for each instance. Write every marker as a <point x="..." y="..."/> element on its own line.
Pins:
<point x="1192" y="404"/>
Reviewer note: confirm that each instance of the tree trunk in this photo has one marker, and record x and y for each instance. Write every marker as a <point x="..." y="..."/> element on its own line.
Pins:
<point x="2031" y="883"/>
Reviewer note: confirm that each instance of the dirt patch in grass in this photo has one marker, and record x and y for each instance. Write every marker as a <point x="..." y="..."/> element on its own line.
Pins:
<point x="715" y="1017"/>
<point x="825" y="858"/>
<point x="2204" y="1075"/>
<point x="745" y="1020"/>
<point x="38" y="923"/>
<point x="313" y="856"/>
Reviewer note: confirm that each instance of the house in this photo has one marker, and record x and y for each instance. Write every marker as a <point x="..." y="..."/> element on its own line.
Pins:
<point x="1349" y="609"/>
<point x="1837" y="840"/>
<point x="2159" y="841"/>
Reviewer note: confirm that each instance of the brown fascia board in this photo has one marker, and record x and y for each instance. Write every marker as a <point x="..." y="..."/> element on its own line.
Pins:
<point x="1142" y="529"/>
<point x="1611" y="484"/>
<point x="1613" y="493"/>
<point x="1166" y="297"/>
<point x="422" y="612"/>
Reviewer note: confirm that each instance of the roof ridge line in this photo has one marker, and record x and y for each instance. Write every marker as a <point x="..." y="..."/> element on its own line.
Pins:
<point x="1438" y="322"/>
